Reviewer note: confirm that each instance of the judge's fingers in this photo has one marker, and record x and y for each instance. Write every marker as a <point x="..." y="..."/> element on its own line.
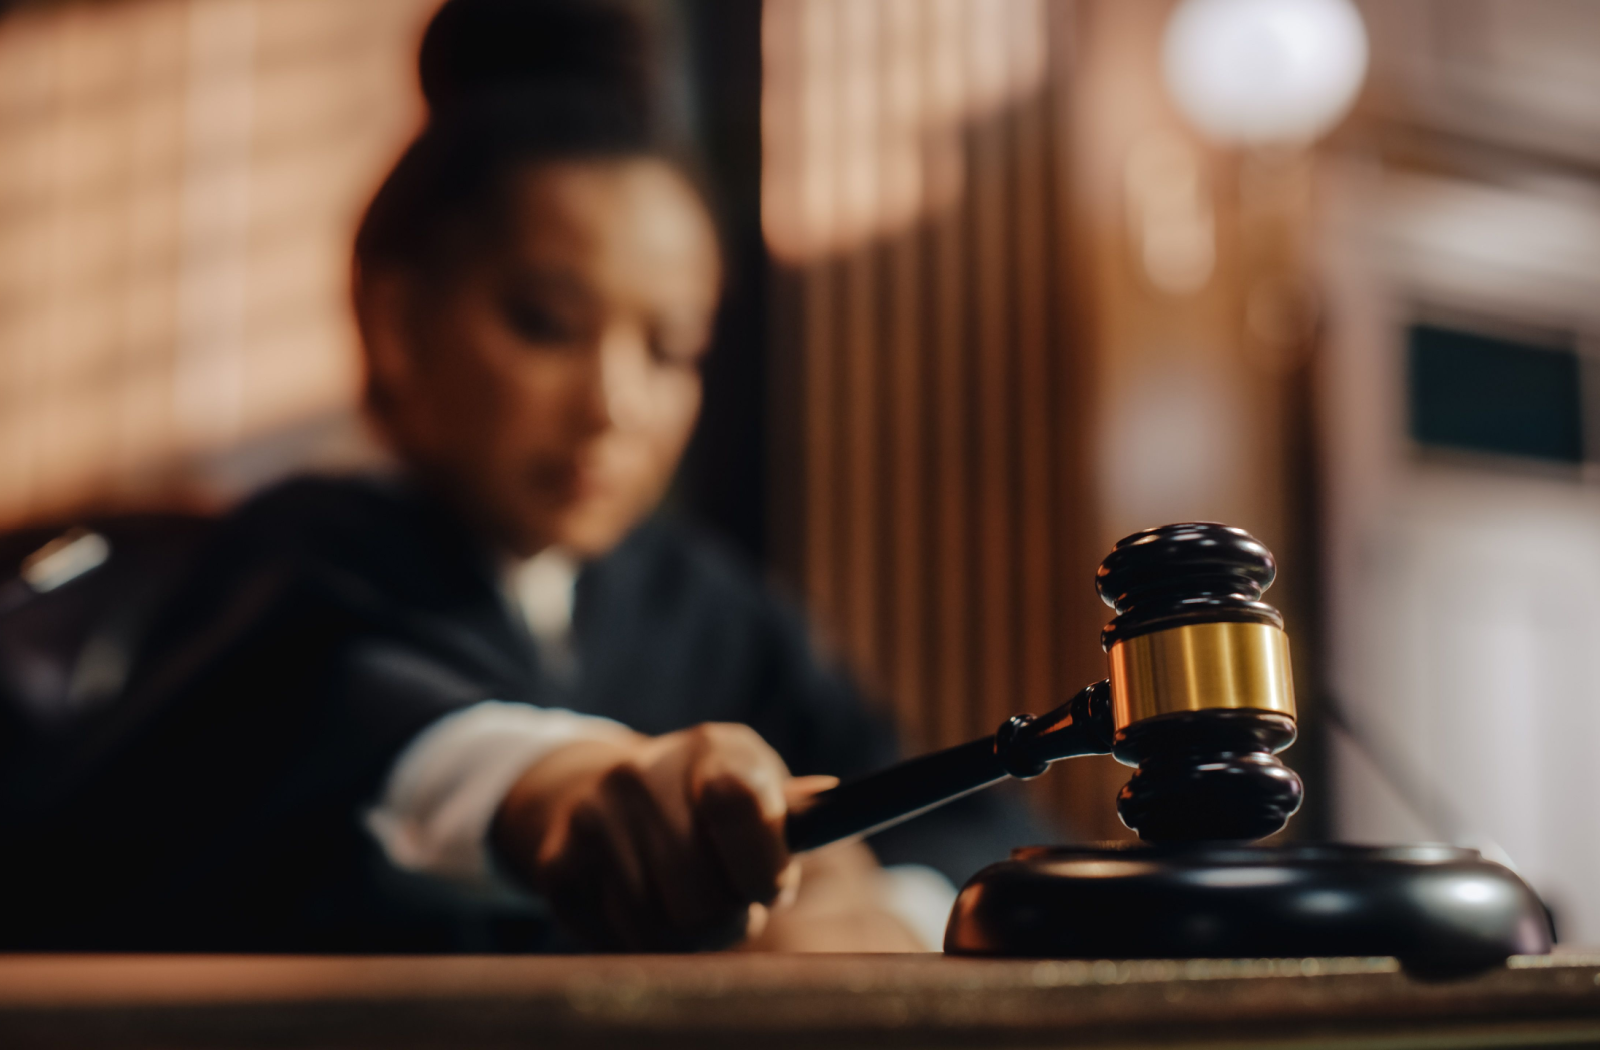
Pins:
<point x="756" y="922"/>
<point x="788" y="886"/>
<point x="801" y="789"/>
<point x="682" y="881"/>
<point x="602" y="878"/>
<point x="577" y="898"/>
<point x="797" y="792"/>
<point x="736" y="791"/>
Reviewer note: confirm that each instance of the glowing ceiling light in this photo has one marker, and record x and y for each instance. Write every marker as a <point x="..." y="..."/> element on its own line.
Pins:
<point x="1258" y="72"/>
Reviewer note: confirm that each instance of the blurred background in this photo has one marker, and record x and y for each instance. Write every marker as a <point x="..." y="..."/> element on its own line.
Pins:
<point x="1010" y="279"/>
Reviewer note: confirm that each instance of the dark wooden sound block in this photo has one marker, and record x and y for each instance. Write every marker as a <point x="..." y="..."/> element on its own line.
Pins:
<point x="1436" y="908"/>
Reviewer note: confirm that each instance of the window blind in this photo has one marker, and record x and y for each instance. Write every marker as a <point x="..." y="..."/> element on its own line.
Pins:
<point x="179" y="184"/>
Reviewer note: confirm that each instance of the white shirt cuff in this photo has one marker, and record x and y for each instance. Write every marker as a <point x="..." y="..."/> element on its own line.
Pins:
<point x="442" y="793"/>
<point x="921" y="898"/>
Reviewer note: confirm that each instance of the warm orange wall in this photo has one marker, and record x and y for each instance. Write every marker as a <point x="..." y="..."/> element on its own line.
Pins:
<point x="179" y="183"/>
<point x="996" y="390"/>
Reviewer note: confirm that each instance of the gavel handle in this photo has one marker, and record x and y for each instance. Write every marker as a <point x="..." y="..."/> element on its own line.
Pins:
<point x="1024" y="747"/>
<point x="883" y="799"/>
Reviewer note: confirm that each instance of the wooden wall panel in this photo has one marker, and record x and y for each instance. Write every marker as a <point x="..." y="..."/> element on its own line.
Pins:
<point x="952" y="476"/>
<point x="179" y="184"/>
<point x="946" y="495"/>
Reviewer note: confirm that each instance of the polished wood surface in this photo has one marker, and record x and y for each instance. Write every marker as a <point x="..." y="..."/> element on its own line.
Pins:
<point x="838" y="1002"/>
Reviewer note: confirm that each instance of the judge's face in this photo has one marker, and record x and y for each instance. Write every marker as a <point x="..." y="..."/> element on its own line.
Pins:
<point x="550" y="387"/>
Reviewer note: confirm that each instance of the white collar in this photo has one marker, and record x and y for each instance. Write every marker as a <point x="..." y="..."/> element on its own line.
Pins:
<point x="542" y="588"/>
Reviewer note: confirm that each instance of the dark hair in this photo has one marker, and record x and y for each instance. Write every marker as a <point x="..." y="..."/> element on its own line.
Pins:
<point x="508" y="83"/>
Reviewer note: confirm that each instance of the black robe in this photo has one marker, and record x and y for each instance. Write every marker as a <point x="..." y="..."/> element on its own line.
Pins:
<point x="218" y="805"/>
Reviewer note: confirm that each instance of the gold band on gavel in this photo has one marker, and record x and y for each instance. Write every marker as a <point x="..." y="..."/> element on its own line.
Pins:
<point x="1201" y="667"/>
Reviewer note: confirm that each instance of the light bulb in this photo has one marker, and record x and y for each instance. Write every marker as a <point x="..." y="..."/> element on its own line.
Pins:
<point x="1260" y="72"/>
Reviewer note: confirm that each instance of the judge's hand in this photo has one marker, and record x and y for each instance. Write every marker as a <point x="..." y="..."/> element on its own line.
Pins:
<point x="657" y="843"/>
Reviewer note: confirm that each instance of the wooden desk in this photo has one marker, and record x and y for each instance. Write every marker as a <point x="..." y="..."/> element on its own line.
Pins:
<point x="776" y="1003"/>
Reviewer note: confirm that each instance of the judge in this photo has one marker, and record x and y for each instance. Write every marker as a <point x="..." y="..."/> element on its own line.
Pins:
<point x="491" y="699"/>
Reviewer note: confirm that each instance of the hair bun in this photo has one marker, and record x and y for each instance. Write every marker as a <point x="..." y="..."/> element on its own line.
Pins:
<point x="477" y="48"/>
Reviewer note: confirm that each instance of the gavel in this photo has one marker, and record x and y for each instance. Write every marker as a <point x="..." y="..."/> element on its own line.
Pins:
<point x="1199" y="701"/>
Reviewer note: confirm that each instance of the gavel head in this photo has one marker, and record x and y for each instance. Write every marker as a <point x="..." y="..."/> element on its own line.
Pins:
<point x="1201" y="695"/>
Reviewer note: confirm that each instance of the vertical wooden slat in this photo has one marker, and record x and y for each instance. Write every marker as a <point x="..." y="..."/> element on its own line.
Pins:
<point x="949" y="587"/>
<point x="1035" y="444"/>
<point x="862" y="583"/>
<point x="908" y="559"/>
<point x="821" y="502"/>
<point x="906" y="392"/>
<point x="992" y="348"/>
<point x="952" y="586"/>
